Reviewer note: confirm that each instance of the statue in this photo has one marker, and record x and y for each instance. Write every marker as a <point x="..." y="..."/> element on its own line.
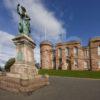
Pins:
<point x="24" y="23"/>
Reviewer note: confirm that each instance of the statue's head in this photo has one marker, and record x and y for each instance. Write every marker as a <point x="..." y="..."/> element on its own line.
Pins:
<point x="23" y="9"/>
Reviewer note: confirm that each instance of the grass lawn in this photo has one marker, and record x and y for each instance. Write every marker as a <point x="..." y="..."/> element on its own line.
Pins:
<point x="79" y="74"/>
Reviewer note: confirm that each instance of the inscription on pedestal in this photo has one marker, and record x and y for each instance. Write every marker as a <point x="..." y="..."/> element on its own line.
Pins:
<point x="20" y="56"/>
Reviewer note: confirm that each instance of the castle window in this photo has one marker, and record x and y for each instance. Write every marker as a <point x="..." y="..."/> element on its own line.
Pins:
<point x="60" y="63"/>
<point x="98" y="50"/>
<point x="67" y="51"/>
<point x="99" y="64"/>
<point x="75" y="51"/>
<point x="76" y="62"/>
<point x="60" y="52"/>
<point x="86" y="53"/>
<point x="85" y="64"/>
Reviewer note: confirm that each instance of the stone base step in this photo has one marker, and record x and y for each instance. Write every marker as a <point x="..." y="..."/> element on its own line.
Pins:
<point x="22" y="86"/>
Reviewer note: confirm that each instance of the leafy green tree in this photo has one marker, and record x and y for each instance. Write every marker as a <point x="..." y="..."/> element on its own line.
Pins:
<point x="9" y="63"/>
<point x="0" y="68"/>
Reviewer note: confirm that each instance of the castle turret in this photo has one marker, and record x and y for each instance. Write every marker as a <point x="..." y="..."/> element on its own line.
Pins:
<point x="95" y="53"/>
<point x="47" y="57"/>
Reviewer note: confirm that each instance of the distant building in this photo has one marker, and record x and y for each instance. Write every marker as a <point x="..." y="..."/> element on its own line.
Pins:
<point x="71" y="55"/>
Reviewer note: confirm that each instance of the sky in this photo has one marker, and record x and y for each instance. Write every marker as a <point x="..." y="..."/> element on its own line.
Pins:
<point x="53" y="20"/>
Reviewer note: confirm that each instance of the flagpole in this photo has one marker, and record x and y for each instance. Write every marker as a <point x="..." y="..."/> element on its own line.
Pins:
<point x="45" y="32"/>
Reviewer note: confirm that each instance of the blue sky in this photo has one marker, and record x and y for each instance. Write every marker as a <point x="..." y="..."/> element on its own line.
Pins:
<point x="81" y="18"/>
<point x="74" y="19"/>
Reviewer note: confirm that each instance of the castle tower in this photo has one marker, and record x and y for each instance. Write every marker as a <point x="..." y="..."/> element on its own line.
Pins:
<point x="47" y="57"/>
<point x="95" y="53"/>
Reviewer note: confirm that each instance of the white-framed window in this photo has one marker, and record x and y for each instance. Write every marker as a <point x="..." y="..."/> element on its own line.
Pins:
<point x="75" y="51"/>
<point x="98" y="50"/>
<point x="67" y="51"/>
<point x="60" y="52"/>
<point x="98" y="64"/>
<point x="85" y="64"/>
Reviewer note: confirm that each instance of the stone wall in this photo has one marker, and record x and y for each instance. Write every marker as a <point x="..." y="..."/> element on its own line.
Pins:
<point x="68" y="60"/>
<point x="87" y="57"/>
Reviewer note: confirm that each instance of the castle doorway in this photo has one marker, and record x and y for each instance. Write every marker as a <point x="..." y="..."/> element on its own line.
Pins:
<point x="68" y="63"/>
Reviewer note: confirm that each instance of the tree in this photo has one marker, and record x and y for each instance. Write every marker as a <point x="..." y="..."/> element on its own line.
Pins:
<point x="9" y="63"/>
<point x="0" y="68"/>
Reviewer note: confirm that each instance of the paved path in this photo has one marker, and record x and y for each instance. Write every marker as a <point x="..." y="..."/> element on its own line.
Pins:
<point x="61" y="89"/>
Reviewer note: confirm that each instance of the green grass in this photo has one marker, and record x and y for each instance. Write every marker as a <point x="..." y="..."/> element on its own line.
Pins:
<point x="78" y="74"/>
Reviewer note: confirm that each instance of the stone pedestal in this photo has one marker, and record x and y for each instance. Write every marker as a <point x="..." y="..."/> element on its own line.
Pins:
<point x="24" y="64"/>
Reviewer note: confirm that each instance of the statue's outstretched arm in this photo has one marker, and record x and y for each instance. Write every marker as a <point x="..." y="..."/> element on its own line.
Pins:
<point x="27" y="17"/>
<point x="18" y="9"/>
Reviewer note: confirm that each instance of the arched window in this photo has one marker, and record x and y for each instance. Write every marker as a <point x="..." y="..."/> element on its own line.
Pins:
<point x="75" y="51"/>
<point x="60" y="52"/>
<point x="98" y="50"/>
<point x="86" y="53"/>
<point x="67" y="51"/>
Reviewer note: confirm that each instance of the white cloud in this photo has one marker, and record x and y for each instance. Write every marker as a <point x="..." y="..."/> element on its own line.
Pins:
<point x="41" y="18"/>
<point x="7" y="48"/>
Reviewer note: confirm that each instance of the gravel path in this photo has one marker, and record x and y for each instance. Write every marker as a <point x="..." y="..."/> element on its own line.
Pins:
<point x="61" y="89"/>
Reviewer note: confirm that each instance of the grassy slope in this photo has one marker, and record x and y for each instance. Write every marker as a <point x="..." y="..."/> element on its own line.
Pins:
<point x="80" y="74"/>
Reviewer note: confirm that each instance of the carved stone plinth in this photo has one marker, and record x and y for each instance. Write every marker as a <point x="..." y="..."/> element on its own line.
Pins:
<point x="24" y="64"/>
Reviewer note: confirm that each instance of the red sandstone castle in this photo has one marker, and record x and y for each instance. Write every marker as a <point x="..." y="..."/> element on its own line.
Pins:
<point x="71" y="55"/>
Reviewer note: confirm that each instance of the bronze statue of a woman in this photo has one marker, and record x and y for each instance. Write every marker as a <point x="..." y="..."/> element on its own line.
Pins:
<point x="24" y="23"/>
